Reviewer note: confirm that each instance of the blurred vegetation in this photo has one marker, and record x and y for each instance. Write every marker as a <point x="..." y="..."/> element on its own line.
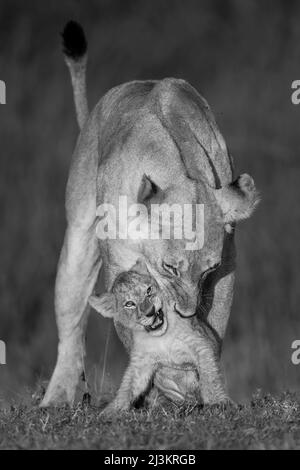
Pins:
<point x="243" y="57"/>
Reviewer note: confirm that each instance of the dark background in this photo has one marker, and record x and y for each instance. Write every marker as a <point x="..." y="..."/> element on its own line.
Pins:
<point x="242" y="55"/>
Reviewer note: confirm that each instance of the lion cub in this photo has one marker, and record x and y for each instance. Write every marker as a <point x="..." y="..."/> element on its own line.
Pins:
<point x="160" y="338"/>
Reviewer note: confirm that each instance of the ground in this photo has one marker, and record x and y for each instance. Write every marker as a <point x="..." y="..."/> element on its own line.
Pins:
<point x="265" y="423"/>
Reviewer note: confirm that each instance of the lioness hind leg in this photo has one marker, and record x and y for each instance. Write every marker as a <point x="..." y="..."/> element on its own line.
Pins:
<point x="78" y="269"/>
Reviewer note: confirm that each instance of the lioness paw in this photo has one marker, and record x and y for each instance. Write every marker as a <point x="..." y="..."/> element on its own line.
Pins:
<point x="246" y="183"/>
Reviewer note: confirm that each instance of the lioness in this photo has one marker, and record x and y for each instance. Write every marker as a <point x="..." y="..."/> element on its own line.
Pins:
<point x="160" y="338"/>
<point x="153" y="141"/>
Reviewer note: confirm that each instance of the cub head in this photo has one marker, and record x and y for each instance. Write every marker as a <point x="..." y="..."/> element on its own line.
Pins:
<point x="134" y="301"/>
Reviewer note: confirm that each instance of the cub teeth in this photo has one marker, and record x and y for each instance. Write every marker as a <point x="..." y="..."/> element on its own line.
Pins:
<point x="156" y="322"/>
<point x="146" y="321"/>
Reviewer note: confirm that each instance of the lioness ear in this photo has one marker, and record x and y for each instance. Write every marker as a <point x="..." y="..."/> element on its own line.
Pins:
<point x="149" y="191"/>
<point x="238" y="200"/>
<point x="105" y="304"/>
<point x="140" y="267"/>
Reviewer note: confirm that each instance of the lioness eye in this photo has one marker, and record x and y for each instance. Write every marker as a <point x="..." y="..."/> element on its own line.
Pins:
<point x="129" y="304"/>
<point x="149" y="290"/>
<point x="171" y="269"/>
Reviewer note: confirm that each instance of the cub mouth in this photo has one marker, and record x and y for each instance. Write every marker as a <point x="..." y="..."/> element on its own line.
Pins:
<point x="158" y="321"/>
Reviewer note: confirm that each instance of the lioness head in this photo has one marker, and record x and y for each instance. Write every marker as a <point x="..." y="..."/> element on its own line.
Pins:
<point x="135" y="301"/>
<point x="178" y="270"/>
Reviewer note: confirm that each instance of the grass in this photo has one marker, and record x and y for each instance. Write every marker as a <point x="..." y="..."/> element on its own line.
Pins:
<point x="267" y="422"/>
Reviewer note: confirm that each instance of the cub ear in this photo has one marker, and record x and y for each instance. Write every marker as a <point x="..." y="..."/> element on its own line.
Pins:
<point x="105" y="304"/>
<point x="238" y="200"/>
<point x="149" y="191"/>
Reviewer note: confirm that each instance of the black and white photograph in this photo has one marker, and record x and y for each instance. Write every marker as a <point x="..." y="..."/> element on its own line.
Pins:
<point x="150" y="227"/>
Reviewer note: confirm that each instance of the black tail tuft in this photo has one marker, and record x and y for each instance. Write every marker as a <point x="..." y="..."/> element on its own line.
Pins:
<point x="74" y="40"/>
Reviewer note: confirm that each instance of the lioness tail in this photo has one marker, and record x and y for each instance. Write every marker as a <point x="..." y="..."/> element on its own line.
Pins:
<point x="75" y="51"/>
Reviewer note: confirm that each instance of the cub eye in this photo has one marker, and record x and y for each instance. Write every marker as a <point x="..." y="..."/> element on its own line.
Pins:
<point x="129" y="304"/>
<point x="171" y="269"/>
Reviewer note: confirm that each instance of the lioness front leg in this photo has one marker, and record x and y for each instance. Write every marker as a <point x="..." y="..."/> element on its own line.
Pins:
<point x="77" y="273"/>
<point x="78" y="268"/>
<point x="220" y="292"/>
<point x="135" y="382"/>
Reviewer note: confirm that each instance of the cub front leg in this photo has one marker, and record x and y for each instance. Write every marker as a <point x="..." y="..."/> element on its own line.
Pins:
<point x="211" y="379"/>
<point x="135" y="382"/>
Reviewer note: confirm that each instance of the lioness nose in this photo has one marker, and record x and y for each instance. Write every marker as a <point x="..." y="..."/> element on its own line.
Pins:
<point x="150" y="312"/>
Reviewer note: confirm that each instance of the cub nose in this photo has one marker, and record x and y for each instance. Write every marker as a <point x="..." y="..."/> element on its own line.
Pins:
<point x="147" y="308"/>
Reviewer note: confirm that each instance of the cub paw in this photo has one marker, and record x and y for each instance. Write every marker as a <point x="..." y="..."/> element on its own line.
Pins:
<point x="112" y="412"/>
<point x="221" y="404"/>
